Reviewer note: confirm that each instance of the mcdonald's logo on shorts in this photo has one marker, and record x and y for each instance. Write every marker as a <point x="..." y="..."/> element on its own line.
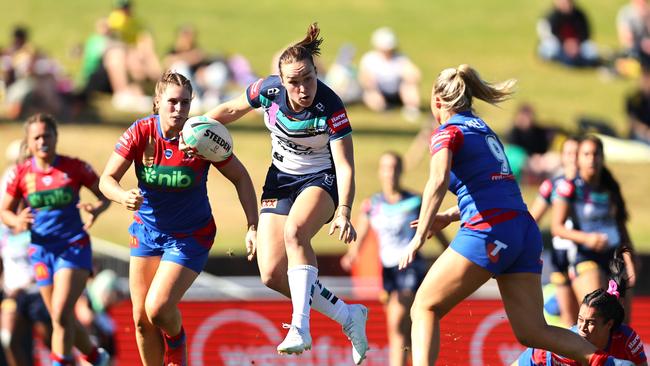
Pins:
<point x="133" y="242"/>
<point x="41" y="272"/>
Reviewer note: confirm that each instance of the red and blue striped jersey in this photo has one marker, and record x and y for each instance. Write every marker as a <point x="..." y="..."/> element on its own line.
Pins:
<point x="480" y="173"/>
<point x="173" y="184"/>
<point x="52" y="195"/>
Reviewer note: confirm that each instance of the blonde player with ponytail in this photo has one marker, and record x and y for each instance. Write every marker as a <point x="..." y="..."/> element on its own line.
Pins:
<point x="498" y="237"/>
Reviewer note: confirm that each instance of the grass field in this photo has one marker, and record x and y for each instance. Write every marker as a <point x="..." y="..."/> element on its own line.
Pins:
<point x="497" y="37"/>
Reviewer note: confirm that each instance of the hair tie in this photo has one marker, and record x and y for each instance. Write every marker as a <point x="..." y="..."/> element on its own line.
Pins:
<point x="613" y="287"/>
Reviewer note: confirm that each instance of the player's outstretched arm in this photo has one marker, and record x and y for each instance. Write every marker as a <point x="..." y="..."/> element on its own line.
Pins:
<point x="231" y="110"/>
<point x="432" y="197"/>
<point x="236" y="173"/>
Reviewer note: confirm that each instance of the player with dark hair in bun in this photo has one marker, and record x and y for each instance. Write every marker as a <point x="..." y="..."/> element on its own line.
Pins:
<point x="600" y="321"/>
<point x="310" y="183"/>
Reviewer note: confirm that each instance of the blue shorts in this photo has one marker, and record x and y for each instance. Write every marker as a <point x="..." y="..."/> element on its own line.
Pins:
<point x="49" y="258"/>
<point x="406" y="280"/>
<point x="501" y="241"/>
<point x="281" y="189"/>
<point x="189" y="250"/>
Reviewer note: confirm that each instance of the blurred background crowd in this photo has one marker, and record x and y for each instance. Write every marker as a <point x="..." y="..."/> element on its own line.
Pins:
<point x="120" y="61"/>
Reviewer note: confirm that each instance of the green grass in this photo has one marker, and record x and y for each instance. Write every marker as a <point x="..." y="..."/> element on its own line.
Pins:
<point x="497" y="37"/>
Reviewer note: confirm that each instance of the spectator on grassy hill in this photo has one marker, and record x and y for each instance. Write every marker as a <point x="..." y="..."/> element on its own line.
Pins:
<point x="637" y="107"/>
<point x="34" y="82"/>
<point x="16" y="58"/>
<point x="213" y="77"/>
<point x="342" y="76"/>
<point x="104" y="70"/>
<point x="632" y="25"/>
<point x="388" y="77"/>
<point x="565" y="36"/>
<point x="535" y="140"/>
<point x="142" y="62"/>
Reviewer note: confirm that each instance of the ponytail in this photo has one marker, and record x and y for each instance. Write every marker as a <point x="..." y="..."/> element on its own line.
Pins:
<point x="456" y="88"/>
<point x="303" y="50"/>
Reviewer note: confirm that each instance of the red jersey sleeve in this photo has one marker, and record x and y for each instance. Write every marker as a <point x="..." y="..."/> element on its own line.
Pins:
<point x="13" y="182"/>
<point x="450" y="137"/>
<point x="634" y="348"/>
<point x="546" y="189"/>
<point x="87" y="175"/>
<point x="126" y="146"/>
<point x="565" y="189"/>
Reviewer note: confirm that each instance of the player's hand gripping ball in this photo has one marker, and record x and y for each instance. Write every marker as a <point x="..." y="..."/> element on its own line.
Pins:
<point x="206" y="138"/>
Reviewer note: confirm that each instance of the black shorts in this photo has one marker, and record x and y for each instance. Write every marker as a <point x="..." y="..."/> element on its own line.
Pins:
<point x="408" y="279"/>
<point x="32" y="307"/>
<point x="281" y="189"/>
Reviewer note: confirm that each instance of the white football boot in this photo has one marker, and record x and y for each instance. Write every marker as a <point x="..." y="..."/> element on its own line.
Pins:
<point x="296" y="342"/>
<point x="355" y="330"/>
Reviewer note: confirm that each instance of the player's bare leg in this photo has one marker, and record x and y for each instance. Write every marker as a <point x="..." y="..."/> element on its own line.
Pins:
<point x="523" y="301"/>
<point x="271" y="253"/>
<point x="147" y="336"/>
<point x="169" y="285"/>
<point x="450" y="280"/>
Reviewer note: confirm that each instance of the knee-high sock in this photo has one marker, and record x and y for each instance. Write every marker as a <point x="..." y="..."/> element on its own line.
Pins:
<point x="302" y="282"/>
<point x="328" y="304"/>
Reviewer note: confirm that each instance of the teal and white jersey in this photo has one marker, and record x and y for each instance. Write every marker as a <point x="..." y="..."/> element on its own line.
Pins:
<point x="390" y="221"/>
<point x="300" y="141"/>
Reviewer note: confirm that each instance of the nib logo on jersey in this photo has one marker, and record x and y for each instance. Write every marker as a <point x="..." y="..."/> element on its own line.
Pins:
<point x="51" y="198"/>
<point x="177" y="177"/>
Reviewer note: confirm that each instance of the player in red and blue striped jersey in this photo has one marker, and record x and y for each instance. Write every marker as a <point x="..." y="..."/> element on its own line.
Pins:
<point x="600" y="321"/>
<point x="173" y="228"/>
<point x="60" y="251"/>
<point x="498" y="237"/>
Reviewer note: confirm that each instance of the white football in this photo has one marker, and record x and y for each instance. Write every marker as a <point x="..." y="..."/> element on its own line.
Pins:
<point x="207" y="139"/>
